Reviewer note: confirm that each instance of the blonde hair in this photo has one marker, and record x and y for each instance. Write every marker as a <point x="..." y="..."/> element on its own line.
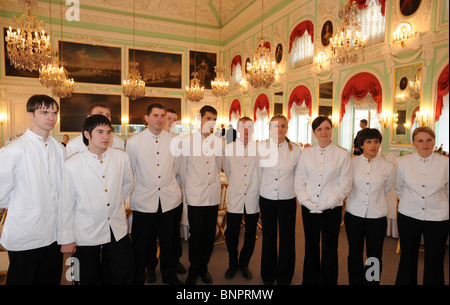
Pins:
<point x="280" y="116"/>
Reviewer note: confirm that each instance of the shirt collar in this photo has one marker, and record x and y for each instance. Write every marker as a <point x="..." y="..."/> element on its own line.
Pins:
<point x="153" y="136"/>
<point x="419" y="158"/>
<point x="95" y="156"/>
<point x="324" y="149"/>
<point x="37" y="137"/>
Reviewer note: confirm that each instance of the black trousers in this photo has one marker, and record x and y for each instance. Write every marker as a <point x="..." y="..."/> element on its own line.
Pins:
<point x="435" y="235"/>
<point x="108" y="264"/>
<point x="177" y="249"/>
<point x="202" y="229"/>
<point x="145" y="231"/>
<point x="234" y="220"/>
<point x="41" y="266"/>
<point x="323" y="269"/>
<point x="373" y="232"/>
<point x="278" y="214"/>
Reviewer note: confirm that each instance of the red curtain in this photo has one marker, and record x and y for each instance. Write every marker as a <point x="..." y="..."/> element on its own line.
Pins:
<point x="362" y="4"/>
<point x="236" y="60"/>
<point x="299" y="30"/>
<point x="261" y="101"/>
<point x="266" y="45"/>
<point x="442" y="89"/>
<point x="235" y="107"/>
<point x="359" y="86"/>
<point x="298" y="96"/>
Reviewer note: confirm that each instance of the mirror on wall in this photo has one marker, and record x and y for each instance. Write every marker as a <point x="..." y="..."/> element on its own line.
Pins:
<point x="278" y="102"/>
<point x="407" y="96"/>
<point x="326" y="99"/>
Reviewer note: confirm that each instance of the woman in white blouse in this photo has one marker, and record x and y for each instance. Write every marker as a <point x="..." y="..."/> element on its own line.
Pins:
<point x="322" y="180"/>
<point x="422" y="187"/>
<point x="277" y="203"/>
<point x="366" y="206"/>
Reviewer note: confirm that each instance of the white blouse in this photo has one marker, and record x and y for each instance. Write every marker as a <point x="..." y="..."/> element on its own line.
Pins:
<point x="30" y="182"/>
<point x="200" y="166"/>
<point x="277" y="175"/>
<point x="92" y="197"/>
<point x="241" y="167"/>
<point x="155" y="169"/>
<point x="76" y="144"/>
<point x="422" y="187"/>
<point x="324" y="175"/>
<point x="372" y="182"/>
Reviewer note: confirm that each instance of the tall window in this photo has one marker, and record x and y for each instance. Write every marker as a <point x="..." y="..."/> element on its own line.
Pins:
<point x="442" y="131"/>
<point x="373" y="22"/>
<point x="299" y="127"/>
<point x="237" y="74"/>
<point x="302" y="51"/>
<point x="261" y="124"/>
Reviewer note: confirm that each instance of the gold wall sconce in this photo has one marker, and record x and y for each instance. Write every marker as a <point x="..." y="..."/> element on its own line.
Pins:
<point x="320" y="59"/>
<point x="403" y="32"/>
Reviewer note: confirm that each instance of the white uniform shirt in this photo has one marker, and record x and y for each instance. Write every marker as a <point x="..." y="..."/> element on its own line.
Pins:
<point x="372" y="182"/>
<point x="200" y="166"/>
<point x="241" y="167"/>
<point x="154" y="168"/>
<point x="422" y="186"/>
<point x="30" y="182"/>
<point x="277" y="181"/>
<point x="76" y="144"/>
<point x="92" y="197"/>
<point x="324" y="175"/>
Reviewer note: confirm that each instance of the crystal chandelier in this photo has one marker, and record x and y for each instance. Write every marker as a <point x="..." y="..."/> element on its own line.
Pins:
<point x="262" y="72"/>
<point x="219" y="84"/>
<point x="133" y="87"/>
<point x="348" y="41"/>
<point x="194" y="92"/>
<point x="29" y="47"/>
<point x="52" y="75"/>
<point x="64" y="89"/>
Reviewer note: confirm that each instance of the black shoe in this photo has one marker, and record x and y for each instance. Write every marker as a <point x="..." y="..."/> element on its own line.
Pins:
<point x="150" y="276"/>
<point x="246" y="273"/>
<point x="174" y="281"/>
<point x="180" y="269"/>
<point x="191" y="279"/>
<point x="206" y="278"/>
<point x="230" y="273"/>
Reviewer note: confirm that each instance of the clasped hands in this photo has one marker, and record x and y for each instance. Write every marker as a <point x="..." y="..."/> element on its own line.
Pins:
<point x="316" y="208"/>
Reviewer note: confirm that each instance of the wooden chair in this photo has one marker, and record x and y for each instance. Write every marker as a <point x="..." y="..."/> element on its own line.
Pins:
<point x="222" y="215"/>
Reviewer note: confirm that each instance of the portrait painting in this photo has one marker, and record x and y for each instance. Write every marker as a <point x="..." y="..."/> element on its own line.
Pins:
<point x="409" y="7"/>
<point x="327" y="33"/>
<point x="279" y="53"/>
<point x="158" y="69"/>
<point x="326" y="90"/>
<point x="73" y="109"/>
<point x="138" y="108"/>
<point x="203" y="63"/>
<point x="91" y="63"/>
<point x="247" y="62"/>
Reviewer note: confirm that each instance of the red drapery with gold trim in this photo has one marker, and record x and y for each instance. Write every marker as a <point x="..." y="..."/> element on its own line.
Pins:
<point x="442" y="89"/>
<point x="299" y="95"/>
<point x="236" y="60"/>
<point x="261" y="101"/>
<point x="299" y="30"/>
<point x="235" y="107"/>
<point x="362" y="4"/>
<point x="359" y="86"/>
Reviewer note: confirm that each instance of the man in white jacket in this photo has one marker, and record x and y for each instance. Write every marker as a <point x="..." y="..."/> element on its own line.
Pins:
<point x="30" y="175"/>
<point x="92" y="222"/>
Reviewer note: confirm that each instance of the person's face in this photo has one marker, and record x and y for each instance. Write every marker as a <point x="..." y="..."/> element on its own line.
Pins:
<point x="424" y="144"/>
<point x="371" y="148"/>
<point x="103" y="111"/>
<point x="278" y="129"/>
<point x="207" y="122"/>
<point x="43" y="119"/>
<point x="323" y="133"/>
<point x="156" y="120"/>
<point x="362" y="125"/>
<point x="170" y="118"/>
<point x="66" y="138"/>
<point x="99" y="139"/>
<point x="245" y="130"/>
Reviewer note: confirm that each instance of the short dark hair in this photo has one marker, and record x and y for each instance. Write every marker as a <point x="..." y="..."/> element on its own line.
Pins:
<point x="39" y="101"/>
<point x="171" y="111"/>
<point x="319" y="120"/>
<point x="206" y="109"/>
<point x="93" y="121"/>
<point x="367" y="134"/>
<point x="154" y="105"/>
<point x="95" y="105"/>
<point x="364" y="121"/>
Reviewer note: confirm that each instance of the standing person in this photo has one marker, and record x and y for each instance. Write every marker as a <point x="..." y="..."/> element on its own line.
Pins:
<point x="201" y="163"/>
<point x="30" y="175"/>
<point x="231" y="134"/>
<point x="323" y="179"/>
<point x="278" y="205"/>
<point x="156" y="197"/>
<point x="423" y="190"/>
<point x="92" y="221"/>
<point x="77" y="144"/>
<point x="356" y="148"/>
<point x="366" y="205"/>
<point x="171" y="118"/>
<point x="241" y="168"/>
<point x="65" y="140"/>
